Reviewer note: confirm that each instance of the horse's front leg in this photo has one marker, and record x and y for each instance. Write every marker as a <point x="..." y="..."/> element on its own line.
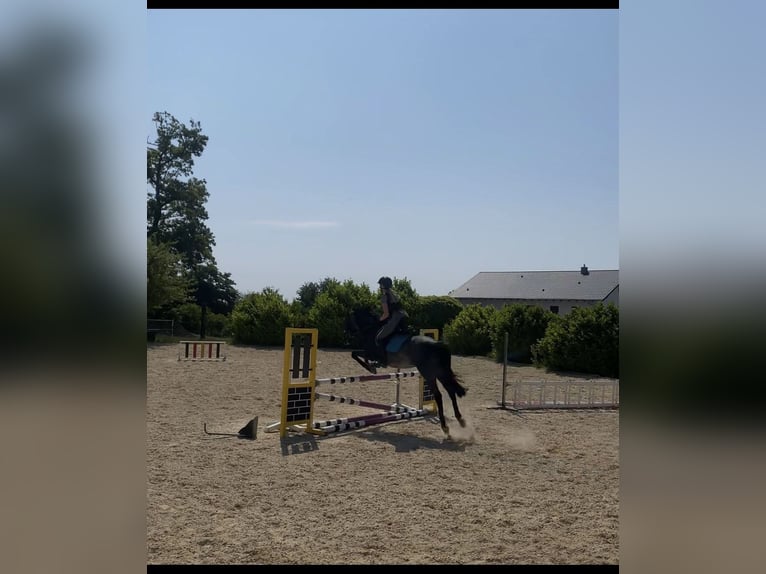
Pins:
<point x="362" y="360"/>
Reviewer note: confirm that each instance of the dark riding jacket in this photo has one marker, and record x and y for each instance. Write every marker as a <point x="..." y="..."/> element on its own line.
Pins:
<point x="396" y="314"/>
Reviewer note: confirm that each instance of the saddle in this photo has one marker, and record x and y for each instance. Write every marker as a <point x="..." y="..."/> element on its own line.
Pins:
<point x="396" y="341"/>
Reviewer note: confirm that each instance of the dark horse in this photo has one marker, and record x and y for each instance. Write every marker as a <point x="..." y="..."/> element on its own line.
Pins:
<point x="431" y="358"/>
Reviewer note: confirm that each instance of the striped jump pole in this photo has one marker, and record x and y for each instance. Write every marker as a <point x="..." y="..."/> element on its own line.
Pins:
<point x="359" y="402"/>
<point x="201" y="351"/>
<point x="373" y="420"/>
<point x="373" y="416"/>
<point x="363" y="378"/>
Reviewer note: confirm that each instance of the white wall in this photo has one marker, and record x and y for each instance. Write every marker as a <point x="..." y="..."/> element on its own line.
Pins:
<point x="564" y="306"/>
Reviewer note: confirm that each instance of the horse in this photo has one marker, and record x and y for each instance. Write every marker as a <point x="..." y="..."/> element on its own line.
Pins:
<point x="430" y="357"/>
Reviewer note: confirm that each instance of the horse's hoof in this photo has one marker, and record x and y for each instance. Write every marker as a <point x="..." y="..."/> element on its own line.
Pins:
<point x="462" y="422"/>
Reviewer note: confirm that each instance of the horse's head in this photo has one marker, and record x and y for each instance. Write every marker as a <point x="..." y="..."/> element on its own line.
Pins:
<point x="350" y="326"/>
<point x="360" y="322"/>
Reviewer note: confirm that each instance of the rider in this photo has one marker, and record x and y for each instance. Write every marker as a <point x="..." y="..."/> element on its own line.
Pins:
<point x="393" y="315"/>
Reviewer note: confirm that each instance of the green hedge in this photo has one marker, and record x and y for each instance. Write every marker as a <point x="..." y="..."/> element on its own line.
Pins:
<point x="586" y="340"/>
<point x="470" y="333"/>
<point x="261" y="319"/>
<point x="525" y="325"/>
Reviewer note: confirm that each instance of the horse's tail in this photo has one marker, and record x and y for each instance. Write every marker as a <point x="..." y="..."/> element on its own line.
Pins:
<point x="448" y="377"/>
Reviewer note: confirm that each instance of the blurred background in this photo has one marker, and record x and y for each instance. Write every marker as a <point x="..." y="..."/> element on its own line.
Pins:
<point x="693" y="266"/>
<point x="72" y="233"/>
<point x="72" y="351"/>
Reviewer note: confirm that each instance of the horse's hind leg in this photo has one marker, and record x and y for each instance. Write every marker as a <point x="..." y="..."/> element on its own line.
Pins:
<point x="448" y="384"/>
<point x="439" y="404"/>
<point x="455" y="409"/>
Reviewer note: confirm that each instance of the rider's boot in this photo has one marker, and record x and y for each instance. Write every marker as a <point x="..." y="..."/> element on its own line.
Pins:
<point x="372" y="357"/>
<point x="381" y="354"/>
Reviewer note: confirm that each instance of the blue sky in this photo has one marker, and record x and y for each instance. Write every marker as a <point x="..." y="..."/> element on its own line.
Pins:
<point x="427" y="144"/>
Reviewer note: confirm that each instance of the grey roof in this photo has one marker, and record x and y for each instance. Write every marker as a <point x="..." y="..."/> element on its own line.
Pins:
<point x="565" y="285"/>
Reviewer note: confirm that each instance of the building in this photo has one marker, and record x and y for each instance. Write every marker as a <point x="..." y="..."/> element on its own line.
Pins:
<point x="557" y="291"/>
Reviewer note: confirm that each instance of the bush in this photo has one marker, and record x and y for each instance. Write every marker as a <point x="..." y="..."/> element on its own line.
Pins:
<point x="408" y="296"/>
<point x="330" y="307"/>
<point x="189" y="315"/>
<point x="218" y="325"/>
<point x="351" y="296"/>
<point x="586" y="341"/>
<point x="299" y="313"/>
<point x="328" y="314"/>
<point x="525" y="325"/>
<point x="470" y="332"/>
<point x="433" y="312"/>
<point x="261" y="318"/>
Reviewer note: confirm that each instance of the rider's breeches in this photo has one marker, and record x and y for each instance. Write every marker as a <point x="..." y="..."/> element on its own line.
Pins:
<point x="390" y="326"/>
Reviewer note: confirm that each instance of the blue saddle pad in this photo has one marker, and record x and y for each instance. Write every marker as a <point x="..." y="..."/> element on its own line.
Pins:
<point x="395" y="343"/>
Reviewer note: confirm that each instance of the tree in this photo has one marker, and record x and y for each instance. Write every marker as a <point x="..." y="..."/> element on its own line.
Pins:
<point x="169" y="159"/>
<point x="308" y="292"/>
<point x="176" y="213"/>
<point x="165" y="284"/>
<point x="215" y="291"/>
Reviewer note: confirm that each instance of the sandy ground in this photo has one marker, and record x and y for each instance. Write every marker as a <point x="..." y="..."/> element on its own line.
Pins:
<point x="537" y="489"/>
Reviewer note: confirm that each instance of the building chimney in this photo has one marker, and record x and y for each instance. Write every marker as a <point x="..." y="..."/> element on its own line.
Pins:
<point x="584" y="270"/>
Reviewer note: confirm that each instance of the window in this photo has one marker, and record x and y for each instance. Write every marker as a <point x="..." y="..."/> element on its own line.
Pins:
<point x="554" y="309"/>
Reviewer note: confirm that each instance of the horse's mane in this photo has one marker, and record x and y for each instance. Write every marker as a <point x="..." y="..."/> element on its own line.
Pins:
<point x="365" y="318"/>
<point x="365" y="312"/>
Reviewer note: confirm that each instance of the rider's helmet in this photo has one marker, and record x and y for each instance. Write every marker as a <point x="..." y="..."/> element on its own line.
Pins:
<point x="385" y="282"/>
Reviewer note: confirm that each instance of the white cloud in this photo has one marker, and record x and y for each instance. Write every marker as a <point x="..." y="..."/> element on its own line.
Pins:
<point x="296" y="224"/>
